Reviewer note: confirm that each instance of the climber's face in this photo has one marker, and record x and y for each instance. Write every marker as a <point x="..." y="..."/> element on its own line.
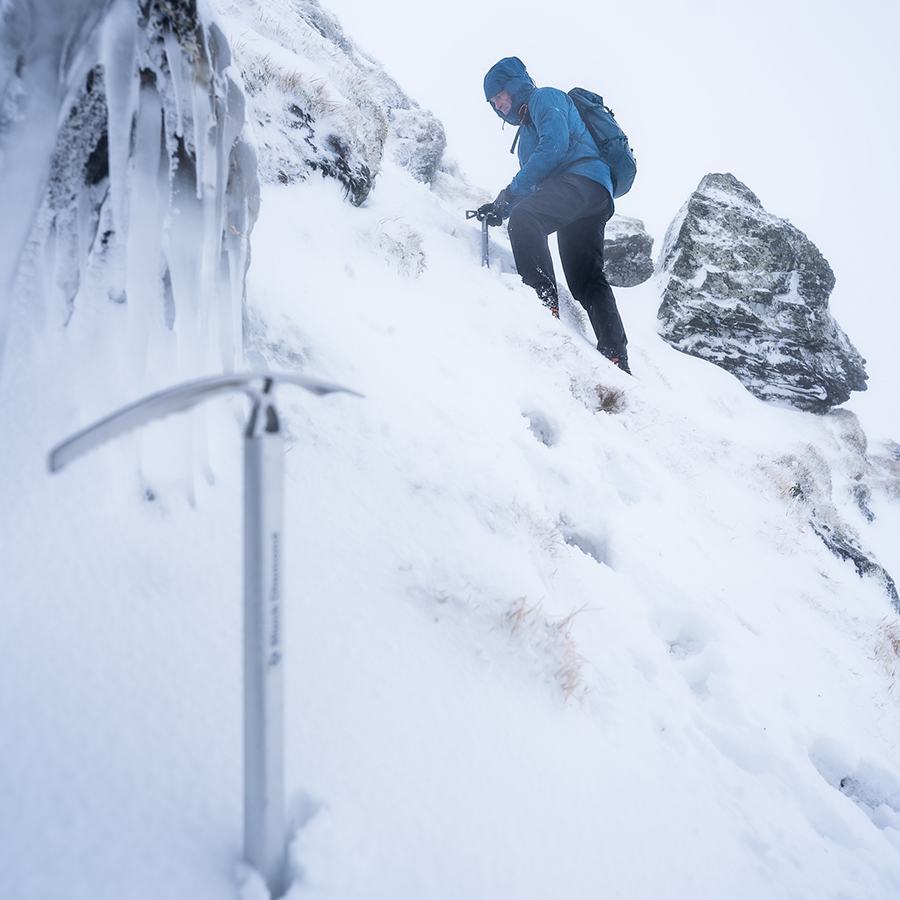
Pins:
<point x="502" y="102"/>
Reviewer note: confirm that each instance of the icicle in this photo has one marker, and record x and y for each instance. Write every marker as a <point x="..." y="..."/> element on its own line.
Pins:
<point x="181" y="88"/>
<point x="229" y="109"/>
<point x="143" y="283"/>
<point x="224" y="140"/>
<point x="46" y="271"/>
<point x="184" y="225"/>
<point x="183" y="228"/>
<point x="87" y="229"/>
<point x="236" y="244"/>
<point x="230" y="115"/>
<point x="200" y="108"/>
<point x="120" y="80"/>
<point x="66" y="268"/>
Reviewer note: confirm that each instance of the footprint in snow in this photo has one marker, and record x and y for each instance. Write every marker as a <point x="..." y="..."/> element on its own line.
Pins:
<point x="541" y="427"/>
<point x="592" y="545"/>
<point x="872" y="787"/>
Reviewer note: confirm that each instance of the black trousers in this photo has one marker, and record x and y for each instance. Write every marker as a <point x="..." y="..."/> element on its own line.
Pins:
<point x="577" y="209"/>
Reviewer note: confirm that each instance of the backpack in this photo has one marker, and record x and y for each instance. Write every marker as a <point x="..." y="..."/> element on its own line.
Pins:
<point x="609" y="138"/>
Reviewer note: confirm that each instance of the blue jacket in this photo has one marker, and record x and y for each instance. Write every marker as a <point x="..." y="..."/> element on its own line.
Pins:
<point x="553" y="138"/>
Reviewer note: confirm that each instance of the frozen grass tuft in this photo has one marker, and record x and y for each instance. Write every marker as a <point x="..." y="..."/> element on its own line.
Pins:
<point x="887" y="648"/>
<point x="610" y="399"/>
<point x="552" y="638"/>
<point x="400" y="245"/>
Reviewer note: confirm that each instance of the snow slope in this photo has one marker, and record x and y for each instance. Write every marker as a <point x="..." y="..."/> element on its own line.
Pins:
<point x="551" y="631"/>
<point x="699" y="88"/>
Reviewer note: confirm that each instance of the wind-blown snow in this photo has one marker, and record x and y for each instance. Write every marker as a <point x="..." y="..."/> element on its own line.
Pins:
<point x="550" y="631"/>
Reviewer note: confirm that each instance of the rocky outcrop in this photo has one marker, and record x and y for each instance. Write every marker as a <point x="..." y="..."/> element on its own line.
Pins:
<point x="749" y="292"/>
<point x="807" y="483"/>
<point x="627" y="262"/>
<point x="321" y="105"/>
<point x="627" y="252"/>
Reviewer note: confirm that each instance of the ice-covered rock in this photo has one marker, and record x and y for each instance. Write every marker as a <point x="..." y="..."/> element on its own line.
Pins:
<point x="807" y="484"/>
<point x="627" y="252"/>
<point x="749" y="292"/>
<point x="417" y="142"/>
<point x="886" y="465"/>
<point x="319" y="104"/>
<point x="149" y="193"/>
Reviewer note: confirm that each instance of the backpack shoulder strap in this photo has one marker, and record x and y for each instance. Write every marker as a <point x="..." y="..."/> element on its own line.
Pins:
<point x="523" y="118"/>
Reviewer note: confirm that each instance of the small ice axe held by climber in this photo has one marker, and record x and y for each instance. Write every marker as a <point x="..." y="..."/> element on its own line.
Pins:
<point x="485" y="249"/>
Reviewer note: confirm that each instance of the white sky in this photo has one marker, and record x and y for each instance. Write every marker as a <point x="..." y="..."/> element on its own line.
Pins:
<point x="798" y="98"/>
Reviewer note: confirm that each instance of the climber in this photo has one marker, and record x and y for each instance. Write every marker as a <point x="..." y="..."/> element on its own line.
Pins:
<point x="562" y="186"/>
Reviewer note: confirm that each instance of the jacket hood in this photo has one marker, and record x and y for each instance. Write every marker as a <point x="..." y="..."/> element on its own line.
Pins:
<point x="511" y="75"/>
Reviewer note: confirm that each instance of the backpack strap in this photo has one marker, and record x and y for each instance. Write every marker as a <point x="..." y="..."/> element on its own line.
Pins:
<point x="523" y="118"/>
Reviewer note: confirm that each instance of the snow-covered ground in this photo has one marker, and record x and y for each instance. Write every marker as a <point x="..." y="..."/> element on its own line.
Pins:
<point x="551" y="631"/>
<point x="535" y="648"/>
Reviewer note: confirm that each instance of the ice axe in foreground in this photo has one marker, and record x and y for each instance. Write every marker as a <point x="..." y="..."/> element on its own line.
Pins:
<point x="264" y="812"/>
<point x="485" y="247"/>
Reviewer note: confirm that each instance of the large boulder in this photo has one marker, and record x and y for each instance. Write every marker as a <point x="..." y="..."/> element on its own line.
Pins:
<point x="627" y="252"/>
<point x="749" y="292"/>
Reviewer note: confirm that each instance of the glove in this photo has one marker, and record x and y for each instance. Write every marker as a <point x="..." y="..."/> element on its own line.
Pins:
<point x="494" y="213"/>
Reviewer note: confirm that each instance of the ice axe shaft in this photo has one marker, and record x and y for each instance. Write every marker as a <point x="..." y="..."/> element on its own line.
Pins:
<point x="485" y="243"/>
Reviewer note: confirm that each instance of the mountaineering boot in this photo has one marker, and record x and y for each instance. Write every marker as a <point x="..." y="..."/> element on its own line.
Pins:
<point x="550" y="298"/>
<point x="617" y="358"/>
